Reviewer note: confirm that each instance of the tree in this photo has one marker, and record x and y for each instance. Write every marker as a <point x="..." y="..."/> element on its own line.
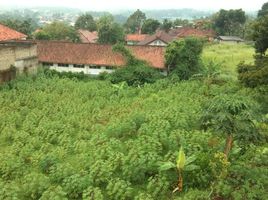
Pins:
<point x="231" y="115"/>
<point x="229" y="22"/>
<point x="150" y="26"/>
<point x="109" y="32"/>
<point x="134" y="22"/>
<point x="58" y="31"/>
<point x="181" y="22"/>
<point x="183" y="57"/>
<point x="260" y="34"/>
<point x="86" y="22"/>
<point x="264" y="10"/>
<point x="166" y="25"/>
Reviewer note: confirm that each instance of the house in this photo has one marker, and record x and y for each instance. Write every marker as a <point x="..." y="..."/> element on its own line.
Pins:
<point x="160" y="38"/>
<point x="17" y="57"/>
<point x="184" y="32"/>
<point x="7" y="33"/>
<point x="93" y="58"/>
<point x="87" y="36"/>
<point x="133" y="39"/>
<point x="229" y="39"/>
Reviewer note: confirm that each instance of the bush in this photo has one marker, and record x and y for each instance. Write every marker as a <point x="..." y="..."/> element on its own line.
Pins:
<point x="135" y="75"/>
<point x="183" y="57"/>
<point x="254" y="75"/>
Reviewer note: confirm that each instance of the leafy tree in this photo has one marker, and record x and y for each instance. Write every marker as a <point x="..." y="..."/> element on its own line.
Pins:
<point x="150" y="26"/>
<point x="86" y="22"/>
<point x="181" y="22"/>
<point x="166" y="25"/>
<point x="264" y="10"/>
<point x="109" y="32"/>
<point x="260" y="34"/>
<point x="229" y="22"/>
<point x="134" y="22"/>
<point x="231" y="115"/>
<point x="58" y="31"/>
<point x="183" y="57"/>
<point x="137" y="72"/>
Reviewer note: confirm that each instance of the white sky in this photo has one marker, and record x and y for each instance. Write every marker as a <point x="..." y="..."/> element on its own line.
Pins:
<point x="248" y="5"/>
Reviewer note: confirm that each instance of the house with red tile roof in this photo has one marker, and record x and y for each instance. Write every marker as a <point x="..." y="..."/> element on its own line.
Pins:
<point x="192" y="32"/>
<point x="7" y="33"/>
<point x="160" y="38"/>
<point x="87" y="36"/>
<point x="133" y="39"/>
<point x="93" y="58"/>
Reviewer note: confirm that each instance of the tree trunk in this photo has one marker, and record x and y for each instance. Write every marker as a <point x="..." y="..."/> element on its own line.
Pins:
<point x="228" y="145"/>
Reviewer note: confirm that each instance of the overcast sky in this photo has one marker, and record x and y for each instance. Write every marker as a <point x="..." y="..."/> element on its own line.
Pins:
<point x="248" y="5"/>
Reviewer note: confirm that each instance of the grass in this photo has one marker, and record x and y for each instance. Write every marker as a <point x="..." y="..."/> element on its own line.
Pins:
<point x="229" y="56"/>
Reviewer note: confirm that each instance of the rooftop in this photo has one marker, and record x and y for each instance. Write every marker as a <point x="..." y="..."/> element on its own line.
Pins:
<point x="136" y="37"/>
<point x="96" y="54"/>
<point x="160" y="35"/>
<point x="7" y="33"/>
<point x="87" y="36"/>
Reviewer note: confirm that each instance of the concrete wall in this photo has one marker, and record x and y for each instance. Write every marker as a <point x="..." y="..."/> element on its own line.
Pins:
<point x="20" y="55"/>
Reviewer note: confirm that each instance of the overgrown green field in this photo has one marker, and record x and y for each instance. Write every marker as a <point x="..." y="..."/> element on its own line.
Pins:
<point x="70" y="139"/>
<point x="229" y="56"/>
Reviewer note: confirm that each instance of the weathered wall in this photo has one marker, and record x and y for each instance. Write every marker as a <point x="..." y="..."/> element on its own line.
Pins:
<point x="23" y="57"/>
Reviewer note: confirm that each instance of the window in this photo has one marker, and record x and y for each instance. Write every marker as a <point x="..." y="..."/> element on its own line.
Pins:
<point x="63" y="65"/>
<point x="109" y="67"/>
<point x="46" y="64"/>
<point x="94" y="67"/>
<point x="78" y="66"/>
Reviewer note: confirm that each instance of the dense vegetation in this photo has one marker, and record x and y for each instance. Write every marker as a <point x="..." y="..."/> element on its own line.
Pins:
<point x="69" y="139"/>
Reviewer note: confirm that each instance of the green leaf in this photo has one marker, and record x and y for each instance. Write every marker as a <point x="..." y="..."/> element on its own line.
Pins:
<point x="164" y="166"/>
<point x="191" y="167"/>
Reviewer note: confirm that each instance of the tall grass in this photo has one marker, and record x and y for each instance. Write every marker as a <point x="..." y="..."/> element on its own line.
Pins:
<point x="229" y="56"/>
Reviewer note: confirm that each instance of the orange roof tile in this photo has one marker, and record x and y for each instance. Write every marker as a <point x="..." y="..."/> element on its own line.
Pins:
<point x="188" y="31"/>
<point x="10" y="34"/>
<point x="87" y="36"/>
<point x="136" y="37"/>
<point x="160" y="35"/>
<point x="96" y="54"/>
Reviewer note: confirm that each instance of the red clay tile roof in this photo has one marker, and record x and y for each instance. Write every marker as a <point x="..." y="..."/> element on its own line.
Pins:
<point x="188" y="31"/>
<point x="10" y="34"/>
<point x="160" y="35"/>
<point x="87" y="36"/>
<point x="96" y="54"/>
<point x="136" y="37"/>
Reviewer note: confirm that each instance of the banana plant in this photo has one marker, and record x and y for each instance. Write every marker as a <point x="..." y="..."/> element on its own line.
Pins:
<point x="182" y="164"/>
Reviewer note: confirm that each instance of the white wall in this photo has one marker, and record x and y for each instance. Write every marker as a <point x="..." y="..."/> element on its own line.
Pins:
<point x="85" y="70"/>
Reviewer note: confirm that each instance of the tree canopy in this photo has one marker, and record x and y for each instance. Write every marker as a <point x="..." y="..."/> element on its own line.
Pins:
<point x="183" y="57"/>
<point x="150" y="26"/>
<point x="229" y="22"/>
<point x="134" y="21"/>
<point x="86" y="22"/>
<point x="166" y="25"/>
<point x="264" y="10"/>
<point x="58" y="31"/>
<point x="109" y="32"/>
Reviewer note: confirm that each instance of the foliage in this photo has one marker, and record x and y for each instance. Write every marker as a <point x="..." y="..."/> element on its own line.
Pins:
<point x="231" y="115"/>
<point x="150" y="26"/>
<point x="229" y="22"/>
<point x="57" y="31"/>
<point x="86" y="22"/>
<point x="254" y="75"/>
<point x="166" y="25"/>
<point x="260" y="34"/>
<point x="264" y="10"/>
<point x="109" y="32"/>
<point x="134" y="21"/>
<point x="181" y="22"/>
<point x="183" y="57"/>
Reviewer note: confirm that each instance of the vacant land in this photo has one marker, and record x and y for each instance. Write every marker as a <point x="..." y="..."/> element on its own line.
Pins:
<point x="229" y="56"/>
